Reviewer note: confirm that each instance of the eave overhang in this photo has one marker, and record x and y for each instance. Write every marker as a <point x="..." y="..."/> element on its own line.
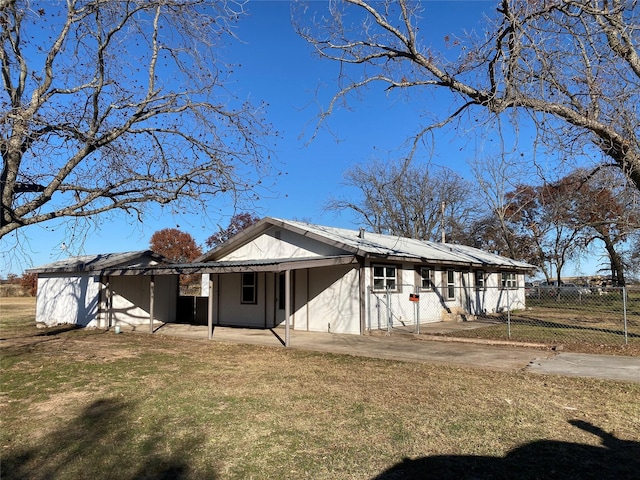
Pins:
<point x="273" y="265"/>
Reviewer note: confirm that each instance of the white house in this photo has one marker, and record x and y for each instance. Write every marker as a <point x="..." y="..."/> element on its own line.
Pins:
<point x="307" y="277"/>
<point x="77" y="291"/>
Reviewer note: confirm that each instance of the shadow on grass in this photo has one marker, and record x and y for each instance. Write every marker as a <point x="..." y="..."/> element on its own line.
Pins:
<point x="47" y="332"/>
<point x="544" y="459"/>
<point x="102" y="443"/>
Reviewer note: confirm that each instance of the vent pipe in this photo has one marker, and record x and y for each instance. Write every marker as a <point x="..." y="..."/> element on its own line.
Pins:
<point x="444" y="235"/>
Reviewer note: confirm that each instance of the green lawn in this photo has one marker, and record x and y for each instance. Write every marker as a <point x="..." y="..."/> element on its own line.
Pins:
<point x="89" y="404"/>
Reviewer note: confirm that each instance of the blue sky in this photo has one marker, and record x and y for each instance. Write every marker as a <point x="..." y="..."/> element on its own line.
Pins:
<point x="277" y="66"/>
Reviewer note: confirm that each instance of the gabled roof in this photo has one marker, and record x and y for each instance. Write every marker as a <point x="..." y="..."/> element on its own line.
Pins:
<point x="99" y="262"/>
<point x="372" y="245"/>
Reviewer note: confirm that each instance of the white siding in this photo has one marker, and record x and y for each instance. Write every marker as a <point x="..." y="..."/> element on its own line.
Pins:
<point x="403" y="311"/>
<point x="290" y="245"/>
<point x="334" y="300"/>
<point x="131" y="299"/>
<point x="323" y="298"/>
<point x="495" y="299"/>
<point x="68" y="299"/>
<point x="231" y="311"/>
<point x="433" y="306"/>
<point x="204" y="284"/>
<point x="78" y="300"/>
<point x="300" y="296"/>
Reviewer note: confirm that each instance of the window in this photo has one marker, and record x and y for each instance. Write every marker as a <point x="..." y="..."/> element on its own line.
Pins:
<point x="249" y="288"/>
<point x="451" y="285"/>
<point x="384" y="277"/>
<point x="480" y="280"/>
<point x="426" y="278"/>
<point x="509" y="280"/>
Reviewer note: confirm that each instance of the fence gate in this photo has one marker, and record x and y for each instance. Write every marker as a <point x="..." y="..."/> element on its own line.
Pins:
<point x="394" y="311"/>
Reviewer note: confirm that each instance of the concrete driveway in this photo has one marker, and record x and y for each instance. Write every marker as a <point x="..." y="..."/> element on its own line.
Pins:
<point x="428" y="349"/>
<point x="583" y="365"/>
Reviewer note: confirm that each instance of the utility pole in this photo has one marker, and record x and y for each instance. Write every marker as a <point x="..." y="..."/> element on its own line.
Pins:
<point x="444" y="235"/>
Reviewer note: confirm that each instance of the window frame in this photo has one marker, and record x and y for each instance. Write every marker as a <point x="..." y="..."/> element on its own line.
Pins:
<point x="482" y="276"/>
<point x="429" y="279"/>
<point x="449" y="287"/>
<point x="509" y="280"/>
<point x="385" y="277"/>
<point x="249" y="287"/>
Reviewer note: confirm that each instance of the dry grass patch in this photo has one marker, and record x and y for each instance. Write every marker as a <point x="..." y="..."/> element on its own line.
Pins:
<point x="166" y="407"/>
<point x="570" y="340"/>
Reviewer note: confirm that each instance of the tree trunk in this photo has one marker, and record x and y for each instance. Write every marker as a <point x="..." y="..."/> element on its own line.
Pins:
<point x="617" y="266"/>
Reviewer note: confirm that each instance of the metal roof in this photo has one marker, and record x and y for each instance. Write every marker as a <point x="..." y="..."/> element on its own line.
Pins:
<point x="99" y="262"/>
<point x="355" y="243"/>
<point x="390" y="247"/>
<point x="266" y="265"/>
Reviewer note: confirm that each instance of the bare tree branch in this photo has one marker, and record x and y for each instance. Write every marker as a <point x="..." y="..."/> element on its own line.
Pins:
<point x="120" y="105"/>
<point x="404" y="198"/>
<point x="572" y="66"/>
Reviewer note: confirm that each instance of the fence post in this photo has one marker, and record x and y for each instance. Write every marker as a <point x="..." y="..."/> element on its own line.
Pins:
<point x="387" y="301"/>
<point x="369" y="307"/>
<point x="624" y="314"/>
<point x="417" y="310"/>
<point x="508" y="314"/>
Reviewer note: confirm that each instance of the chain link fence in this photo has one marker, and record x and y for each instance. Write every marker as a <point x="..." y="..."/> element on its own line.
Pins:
<point x="575" y="314"/>
<point x="548" y="315"/>
<point x="393" y="311"/>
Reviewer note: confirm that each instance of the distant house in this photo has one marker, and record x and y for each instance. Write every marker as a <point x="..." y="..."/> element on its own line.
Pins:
<point x="305" y="276"/>
<point x="79" y="291"/>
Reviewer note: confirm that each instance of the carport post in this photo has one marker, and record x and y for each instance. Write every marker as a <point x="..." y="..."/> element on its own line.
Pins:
<point x="151" y="299"/>
<point x="210" y="308"/>
<point x="107" y="301"/>
<point x="287" y="306"/>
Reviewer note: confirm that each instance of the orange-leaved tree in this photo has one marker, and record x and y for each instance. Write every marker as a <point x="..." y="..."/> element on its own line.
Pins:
<point x="177" y="246"/>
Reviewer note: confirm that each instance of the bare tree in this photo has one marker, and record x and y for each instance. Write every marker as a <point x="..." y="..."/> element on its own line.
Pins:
<point x="610" y="212"/>
<point x="632" y="257"/>
<point x="113" y="106"/>
<point x="238" y="223"/>
<point x="571" y="66"/>
<point x="496" y="176"/>
<point x="525" y="219"/>
<point x="543" y="219"/>
<point x="406" y="199"/>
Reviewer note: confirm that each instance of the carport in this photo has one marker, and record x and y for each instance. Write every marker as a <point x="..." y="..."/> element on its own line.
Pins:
<point x="277" y="266"/>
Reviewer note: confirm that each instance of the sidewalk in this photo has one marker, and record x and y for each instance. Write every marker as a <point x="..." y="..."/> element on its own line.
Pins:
<point x="409" y="348"/>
